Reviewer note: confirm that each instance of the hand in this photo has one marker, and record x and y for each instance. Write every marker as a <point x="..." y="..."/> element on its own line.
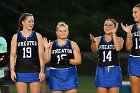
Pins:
<point x="92" y="38"/>
<point x="126" y="28"/>
<point x="1" y="59"/>
<point x="46" y="44"/>
<point x="64" y="61"/>
<point x="116" y="28"/>
<point x="13" y="75"/>
<point x="41" y="76"/>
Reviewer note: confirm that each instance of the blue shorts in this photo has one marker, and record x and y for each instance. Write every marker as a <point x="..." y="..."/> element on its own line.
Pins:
<point x="134" y="66"/>
<point x="63" y="79"/>
<point x="108" y="77"/>
<point x="27" y="77"/>
<point x="47" y="74"/>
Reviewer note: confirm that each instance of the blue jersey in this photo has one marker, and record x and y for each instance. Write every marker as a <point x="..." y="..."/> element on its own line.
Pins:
<point x="60" y="52"/>
<point x="27" y="54"/>
<point x="107" y="55"/>
<point x="135" y="51"/>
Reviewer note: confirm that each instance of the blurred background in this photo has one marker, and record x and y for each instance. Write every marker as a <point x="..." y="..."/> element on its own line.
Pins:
<point x="82" y="16"/>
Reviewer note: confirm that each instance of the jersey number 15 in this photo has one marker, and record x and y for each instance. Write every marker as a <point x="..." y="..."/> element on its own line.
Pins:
<point x="60" y="57"/>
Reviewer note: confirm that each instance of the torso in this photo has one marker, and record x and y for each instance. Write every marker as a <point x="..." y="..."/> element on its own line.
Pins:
<point x="135" y="51"/>
<point x="59" y="52"/>
<point x="107" y="55"/>
<point x="27" y="53"/>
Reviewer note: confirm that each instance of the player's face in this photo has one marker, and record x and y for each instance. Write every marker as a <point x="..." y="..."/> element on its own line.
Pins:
<point x="108" y="26"/>
<point x="62" y="32"/>
<point x="28" y="23"/>
<point x="136" y="14"/>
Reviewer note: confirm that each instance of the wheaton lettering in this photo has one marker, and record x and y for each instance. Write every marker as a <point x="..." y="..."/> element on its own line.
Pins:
<point x="62" y="51"/>
<point x="106" y="47"/>
<point x="27" y="43"/>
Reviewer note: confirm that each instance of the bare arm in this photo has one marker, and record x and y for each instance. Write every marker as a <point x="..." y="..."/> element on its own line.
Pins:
<point x="40" y="51"/>
<point x="13" y="52"/>
<point x="129" y="43"/>
<point x="47" y="53"/>
<point x="13" y="56"/>
<point x="127" y="29"/>
<point x="77" y="54"/>
<point x="94" y="43"/>
<point x="118" y="42"/>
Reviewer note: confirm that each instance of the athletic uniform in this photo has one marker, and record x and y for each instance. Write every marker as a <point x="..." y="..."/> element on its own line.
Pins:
<point x="47" y="73"/>
<point x="134" y="58"/>
<point x="108" y="72"/>
<point x="27" y="66"/>
<point x="62" y="76"/>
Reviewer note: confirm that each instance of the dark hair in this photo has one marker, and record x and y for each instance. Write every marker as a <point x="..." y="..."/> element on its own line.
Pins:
<point x="22" y="18"/>
<point x="113" y="20"/>
<point x="138" y="5"/>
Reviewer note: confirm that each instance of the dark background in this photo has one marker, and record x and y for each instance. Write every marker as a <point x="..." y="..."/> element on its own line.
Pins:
<point x="82" y="16"/>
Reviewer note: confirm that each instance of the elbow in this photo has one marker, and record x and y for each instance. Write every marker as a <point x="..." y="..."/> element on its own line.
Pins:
<point x="118" y="49"/>
<point x="128" y="48"/>
<point x="93" y="50"/>
<point x="78" y="62"/>
<point x="46" y="61"/>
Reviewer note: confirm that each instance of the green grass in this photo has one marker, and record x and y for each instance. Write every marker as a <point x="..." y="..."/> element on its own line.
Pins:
<point x="86" y="85"/>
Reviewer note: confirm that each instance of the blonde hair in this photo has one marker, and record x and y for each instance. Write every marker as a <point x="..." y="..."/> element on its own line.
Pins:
<point x="113" y="20"/>
<point x="61" y="24"/>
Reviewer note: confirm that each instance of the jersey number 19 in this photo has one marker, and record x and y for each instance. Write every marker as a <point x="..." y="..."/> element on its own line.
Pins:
<point x="27" y="52"/>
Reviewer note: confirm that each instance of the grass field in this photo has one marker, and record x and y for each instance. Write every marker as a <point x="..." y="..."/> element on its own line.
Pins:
<point x="86" y="85"/>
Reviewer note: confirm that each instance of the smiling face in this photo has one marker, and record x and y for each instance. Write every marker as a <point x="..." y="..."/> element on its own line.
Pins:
<point x="28" y="23"/>
<point x="62" y="32"/>
<point x="136" y="14"/>
<point x="108" y="26"/>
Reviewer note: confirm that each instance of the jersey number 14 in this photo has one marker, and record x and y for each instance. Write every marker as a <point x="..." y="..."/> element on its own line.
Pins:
<point x="107" y="56"/>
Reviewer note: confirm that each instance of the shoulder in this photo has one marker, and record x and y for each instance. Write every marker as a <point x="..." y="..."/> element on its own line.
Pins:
<point x="3" y="41"/>
<point x="39" y="36"/>
<point x="15" y="36"/>
<point x="2" y="38"/>
<point x="131" y="26"/>
<point x="74" y="45"/>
